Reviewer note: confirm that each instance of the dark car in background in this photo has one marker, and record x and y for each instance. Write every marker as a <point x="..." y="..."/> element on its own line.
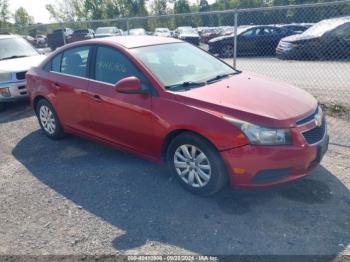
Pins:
<point x="107" y="31"/>
<point x="40" y="41"/>
<point x="329" y="38"/>
<point x="59" y="37"/>
<point x="251" y="40"/>
<point x="188" y="34"/>
<point x="82" y="34"/>
<point x="210" y="33"/>
<point x="296" y="28"/>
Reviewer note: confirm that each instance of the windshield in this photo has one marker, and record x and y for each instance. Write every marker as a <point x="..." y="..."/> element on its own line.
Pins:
<point x="83" y="31"/>
<point x="178" y="63"/>
<point x="15" y="47"/>
<point x="322" y="27"/>
<point x="137" y="31"/>
<point x="187" y="31"/>
<point x="162" y="30"/>
<point x="104" y="30"/>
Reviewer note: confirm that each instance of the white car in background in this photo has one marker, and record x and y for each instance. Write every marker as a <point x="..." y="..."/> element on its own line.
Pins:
<point x="17" y="56"/>
<point x="165" y="32"/>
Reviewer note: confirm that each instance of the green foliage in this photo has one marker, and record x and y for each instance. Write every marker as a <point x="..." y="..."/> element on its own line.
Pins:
<point x="22" y="18"/>
<point x="4" y="12"/>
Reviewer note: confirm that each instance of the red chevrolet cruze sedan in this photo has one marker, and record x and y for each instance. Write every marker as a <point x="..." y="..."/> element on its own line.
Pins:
<point x="167" y="100"/>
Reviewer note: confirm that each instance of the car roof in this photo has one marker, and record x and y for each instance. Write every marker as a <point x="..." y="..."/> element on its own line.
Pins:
<point x="136" y="41"/>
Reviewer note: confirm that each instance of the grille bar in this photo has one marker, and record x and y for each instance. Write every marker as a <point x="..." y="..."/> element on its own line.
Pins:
<point x="21" y="75"/>
<point x="316" y="134"/>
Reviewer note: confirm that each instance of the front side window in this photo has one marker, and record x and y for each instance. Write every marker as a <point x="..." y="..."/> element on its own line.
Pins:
<point x="112" y="66"/>
<point x="177" y="63"/>
<point x="74" y="61"/>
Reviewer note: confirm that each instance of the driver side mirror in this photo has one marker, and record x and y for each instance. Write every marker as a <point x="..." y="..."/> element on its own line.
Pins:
<point x="130" y="85"/>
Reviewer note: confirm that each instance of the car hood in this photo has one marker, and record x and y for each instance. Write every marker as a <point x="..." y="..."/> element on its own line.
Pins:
<point x="252" y="98"/>
<point x="219" y="38"/>
<point x="298" y="37"/>
<point x="21" y="64"/>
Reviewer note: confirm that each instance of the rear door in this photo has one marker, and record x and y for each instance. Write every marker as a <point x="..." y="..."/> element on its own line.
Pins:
<point x="68" y="78"/>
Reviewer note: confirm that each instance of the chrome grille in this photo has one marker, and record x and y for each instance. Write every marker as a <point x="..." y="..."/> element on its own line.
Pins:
<point x="316" y="134"/>
<point x="21" y="75"/>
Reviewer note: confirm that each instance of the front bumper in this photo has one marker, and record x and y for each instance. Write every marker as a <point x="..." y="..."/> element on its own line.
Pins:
<point x="254" y="167"/>
<point x="17" y="91"/>
<point x="284" y="50"/>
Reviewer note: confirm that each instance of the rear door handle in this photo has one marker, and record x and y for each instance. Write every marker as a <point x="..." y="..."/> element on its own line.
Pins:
<point x="56" y="85"/>
<point x="97" y="98"/>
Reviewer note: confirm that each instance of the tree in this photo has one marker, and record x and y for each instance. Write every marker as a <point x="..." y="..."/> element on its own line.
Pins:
<point x="22" y="18"/>
<point x="159" y="7"/>
<point x="4" y="12"/>
<point x="181" y="6"/>
<point x="66" y="10"/>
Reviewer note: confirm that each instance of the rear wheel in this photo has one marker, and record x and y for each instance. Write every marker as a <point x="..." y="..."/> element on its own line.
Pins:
<point x="48" y="120"/>
<point x="196" y="164"/>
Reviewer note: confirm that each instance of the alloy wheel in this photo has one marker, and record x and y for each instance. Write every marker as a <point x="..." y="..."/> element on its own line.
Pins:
<point x="192" y="165"/>
<point x="47" y="119"/>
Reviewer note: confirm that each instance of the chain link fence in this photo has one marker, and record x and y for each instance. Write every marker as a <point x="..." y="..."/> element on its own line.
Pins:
<point x="304" y="45"/>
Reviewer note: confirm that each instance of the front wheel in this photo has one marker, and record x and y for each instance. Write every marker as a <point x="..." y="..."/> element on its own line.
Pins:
<point x="2" y="106"/>
<point x="48" y="120"/>
<point x="196" y="164"/>
<point x="226" y="51"/>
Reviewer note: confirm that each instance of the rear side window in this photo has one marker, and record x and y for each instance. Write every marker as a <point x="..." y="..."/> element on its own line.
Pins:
<point x="74" y="61"/>
<point x="112" y="66"/>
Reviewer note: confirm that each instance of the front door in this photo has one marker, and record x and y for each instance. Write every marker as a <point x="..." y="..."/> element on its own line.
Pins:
<point x="124" y="119"/>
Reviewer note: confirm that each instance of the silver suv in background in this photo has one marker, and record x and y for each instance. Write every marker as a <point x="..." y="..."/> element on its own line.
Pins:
<point x="108" y="31"/>
<point x="17" y="56"/>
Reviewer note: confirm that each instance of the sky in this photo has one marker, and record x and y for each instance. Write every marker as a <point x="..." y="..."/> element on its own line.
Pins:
<point x="36" y="8"/>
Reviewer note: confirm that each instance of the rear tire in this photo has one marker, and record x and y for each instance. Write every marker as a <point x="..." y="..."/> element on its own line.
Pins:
<point x="48" y="120"/>
<point x="196" y="164"/>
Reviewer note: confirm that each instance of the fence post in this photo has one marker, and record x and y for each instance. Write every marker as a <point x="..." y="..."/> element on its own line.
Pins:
<point x="235" y="41"/>
<point x="63" y="34"/>
<point x="127" y="25"/>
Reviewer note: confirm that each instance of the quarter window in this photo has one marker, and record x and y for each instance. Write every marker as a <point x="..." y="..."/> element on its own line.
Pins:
<point x="74" y="61"/>
<point x="112" y="66"/>
<point x="56" y="63"/>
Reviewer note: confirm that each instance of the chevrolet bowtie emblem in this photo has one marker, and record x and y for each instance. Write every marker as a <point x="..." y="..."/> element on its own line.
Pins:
<point x="318" y="119"/>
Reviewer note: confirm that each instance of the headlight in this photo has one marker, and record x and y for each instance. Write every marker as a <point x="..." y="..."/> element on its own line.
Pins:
<point x="5" y="76"/>
<point x="259" y="135"/>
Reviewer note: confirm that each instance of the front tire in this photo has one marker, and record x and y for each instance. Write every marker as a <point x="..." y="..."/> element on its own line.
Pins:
<point x="2" y="107"/>
<point x="196" y="164"/>
<point x="226" y="51"/>
<point x="48" y="120"/>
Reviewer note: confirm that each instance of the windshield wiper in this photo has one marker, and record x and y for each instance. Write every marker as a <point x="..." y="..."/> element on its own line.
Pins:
<point x="187" y="84"/>
<point x="219" y="77"/>
<point x="13" y="57"/>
